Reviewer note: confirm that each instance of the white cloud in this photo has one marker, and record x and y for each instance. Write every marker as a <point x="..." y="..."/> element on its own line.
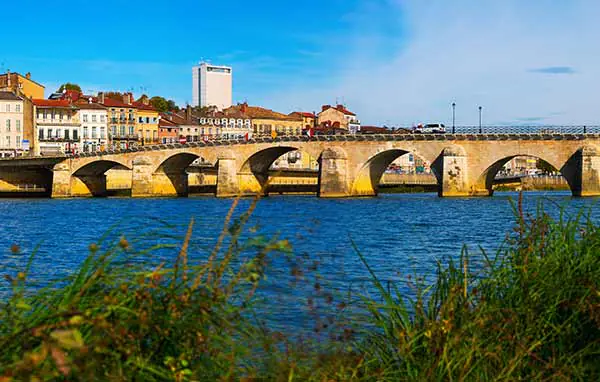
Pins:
<point x="474" y="53"/>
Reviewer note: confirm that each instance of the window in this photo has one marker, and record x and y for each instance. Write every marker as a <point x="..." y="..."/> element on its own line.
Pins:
<point x="41" y="134"/>
<point x="18" y="108"/>
<point x="67" y="133"/>
<point x="102" y="132"/>
<point x="93" y="117"/>
<point x="49" y="133"/>
<point x="8" y="108"/>
<point x="85" y="132"/>
<point x="8" y="125"/>
<point x="85" y="118"/>
<point x="131" y="130"/>
<point x="8" y="141"/>
<point x="114" y="130"/>
<point x="141" y="120"/>
<point x="102" y="118"/>
<point x="94" y="132"/>
<point x="75" y="135"/>
<point x="18" y="141"/>
<point x="18" y="125"/>
<point x="122" y="130"/>
<point x="147" y="119"/>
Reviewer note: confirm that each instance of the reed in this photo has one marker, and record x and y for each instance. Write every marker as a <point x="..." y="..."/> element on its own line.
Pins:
<point x="531" y="312"/>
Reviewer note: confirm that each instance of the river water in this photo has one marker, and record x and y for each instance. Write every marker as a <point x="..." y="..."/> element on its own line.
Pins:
<point x="399" y="235"/>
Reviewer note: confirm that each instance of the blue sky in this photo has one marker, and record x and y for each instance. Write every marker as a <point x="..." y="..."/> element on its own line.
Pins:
<point x="391" y="61"/>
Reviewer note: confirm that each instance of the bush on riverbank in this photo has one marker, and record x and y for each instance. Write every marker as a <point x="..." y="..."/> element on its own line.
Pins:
<point x="531" y="312"/>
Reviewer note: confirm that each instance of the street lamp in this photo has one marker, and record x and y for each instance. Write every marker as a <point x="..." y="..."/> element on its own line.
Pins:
<point x="453" y="116"/>
<point x="480" y="130"/>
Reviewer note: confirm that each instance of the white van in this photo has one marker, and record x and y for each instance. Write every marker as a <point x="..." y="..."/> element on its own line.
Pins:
<point x="431" y="128"/>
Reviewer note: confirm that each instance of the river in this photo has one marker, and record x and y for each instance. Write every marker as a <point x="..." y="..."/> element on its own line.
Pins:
<point x="399" y="235"/>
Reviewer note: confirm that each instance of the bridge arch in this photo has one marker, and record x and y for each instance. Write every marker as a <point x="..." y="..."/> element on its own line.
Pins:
<point x="89" y="179"/>
<point x="567" y="167"/>
<point x="170" y="178"/>
<point x="370" y="173"/>
<point x="254" y="170"/>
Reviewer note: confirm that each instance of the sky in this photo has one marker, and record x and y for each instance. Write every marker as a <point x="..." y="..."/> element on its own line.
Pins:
<point x="393" y="62"/>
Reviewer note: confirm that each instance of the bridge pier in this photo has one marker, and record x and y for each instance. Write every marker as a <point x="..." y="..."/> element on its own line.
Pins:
<point x="141" y="178"/>
<point x="452" y="165"/>
<point x="227" y="176"/>
<point x="333" y="174"/>
<point x="582" y="172"/>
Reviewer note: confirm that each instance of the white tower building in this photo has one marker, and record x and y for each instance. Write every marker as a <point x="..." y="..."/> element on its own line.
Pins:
<point x="212" y="86"/>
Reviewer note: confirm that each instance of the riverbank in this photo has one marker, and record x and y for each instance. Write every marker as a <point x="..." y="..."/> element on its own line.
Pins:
<point x="531" y="313"/>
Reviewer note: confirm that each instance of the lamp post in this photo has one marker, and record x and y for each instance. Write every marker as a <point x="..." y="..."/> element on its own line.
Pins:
<point x="480" y="130"/>
<point x="453" y="116"/>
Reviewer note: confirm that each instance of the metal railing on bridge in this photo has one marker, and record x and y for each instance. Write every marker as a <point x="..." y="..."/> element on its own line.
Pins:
<point x="534" y="129"/>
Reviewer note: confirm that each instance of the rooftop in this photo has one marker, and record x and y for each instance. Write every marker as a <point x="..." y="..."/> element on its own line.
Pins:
<point x="56" y="103"/>
<point x="9" y="96"/>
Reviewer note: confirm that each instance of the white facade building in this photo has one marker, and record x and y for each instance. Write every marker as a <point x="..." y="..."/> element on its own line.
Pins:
<point x="11" y="125"/>
<point x="212" y="85"/>
<point x="57" y="127"/>
<point x="94" y="126"/>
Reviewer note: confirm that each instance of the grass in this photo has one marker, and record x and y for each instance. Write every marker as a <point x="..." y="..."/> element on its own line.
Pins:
<point x="531" y="312"/>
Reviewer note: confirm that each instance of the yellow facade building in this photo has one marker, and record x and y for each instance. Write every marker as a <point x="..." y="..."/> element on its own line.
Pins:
<point x="23" y="85"/>
<point x="147" y="120"/>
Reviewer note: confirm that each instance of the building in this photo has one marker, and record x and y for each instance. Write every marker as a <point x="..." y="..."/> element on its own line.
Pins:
<point x="22" y="85"/>
<point x="11" y="125"/>
<point x="94" y="125"/>
<point x="212" y="85"/>
<point x="57" y="126"/>
<point x="309" y="120"/>
<point x="266" y="122"/>
<point x="122" y="112"/>
<point x="169" y="128"/>
<point x="338" y="117"/>
<point x="147" y="121"/>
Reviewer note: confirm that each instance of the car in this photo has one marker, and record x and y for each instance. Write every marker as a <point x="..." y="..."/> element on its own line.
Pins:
<point x="431" y="128"/>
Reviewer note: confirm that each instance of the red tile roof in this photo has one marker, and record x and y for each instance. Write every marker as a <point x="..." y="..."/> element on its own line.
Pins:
<point x="61" y="103"/>
<point x="109" y="102"/>
<point x="142" y="106"/>
<point x="303" y="114"/>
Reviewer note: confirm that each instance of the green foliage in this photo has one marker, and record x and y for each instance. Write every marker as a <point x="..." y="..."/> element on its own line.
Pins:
<point x="531" y="312"/>
<point x="69" y="86"/>
<point x="163" y="105"/>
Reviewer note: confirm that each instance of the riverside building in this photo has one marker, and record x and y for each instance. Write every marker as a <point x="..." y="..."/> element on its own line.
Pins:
<point x="212" y="86"/>
<point x="11" y="125"/>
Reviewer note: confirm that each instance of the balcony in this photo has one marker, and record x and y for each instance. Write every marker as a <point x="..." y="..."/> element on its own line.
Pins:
<point x="58" y="139"/>
<point x="124" y="136"/>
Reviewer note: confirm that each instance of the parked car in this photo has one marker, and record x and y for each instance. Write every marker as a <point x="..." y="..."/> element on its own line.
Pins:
<point x="431" y="128"/>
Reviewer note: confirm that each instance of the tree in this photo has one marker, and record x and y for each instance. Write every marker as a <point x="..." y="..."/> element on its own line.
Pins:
<point x="546" y="167"/>
<point x="117" y="96"/>
<point x="162" y="105"/>
<point x="69" y="86"/>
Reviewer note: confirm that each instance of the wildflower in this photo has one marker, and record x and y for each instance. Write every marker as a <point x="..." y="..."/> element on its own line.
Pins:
<point x="123" y="243"/>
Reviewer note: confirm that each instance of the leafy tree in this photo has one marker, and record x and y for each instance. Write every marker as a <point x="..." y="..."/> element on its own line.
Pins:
<point x="118" y="96"/>
<point x="545" y="166"/>
<point x="69" y="86"/>
<point x="162" y="104"/>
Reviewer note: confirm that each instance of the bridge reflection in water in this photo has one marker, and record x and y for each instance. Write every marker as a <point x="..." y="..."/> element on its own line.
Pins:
<point x="349" y="166"/>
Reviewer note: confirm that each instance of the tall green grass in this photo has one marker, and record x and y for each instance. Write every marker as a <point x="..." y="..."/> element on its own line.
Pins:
<point x="531" y="312"/>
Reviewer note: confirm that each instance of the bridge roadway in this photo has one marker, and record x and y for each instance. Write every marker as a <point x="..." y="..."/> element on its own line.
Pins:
<point x="350" y="165"/>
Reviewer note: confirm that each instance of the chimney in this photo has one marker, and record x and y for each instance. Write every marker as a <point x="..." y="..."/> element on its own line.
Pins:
<point x="188" y="114"/>
<point x="325" y="107"/>
<point x="146" y="100"/>
<point x="8" y="78"/>
<point x="244" y="107"/>
<point x="340" y="108"/>
<point x="28" y="75"/>
<point x="100" y="97"/>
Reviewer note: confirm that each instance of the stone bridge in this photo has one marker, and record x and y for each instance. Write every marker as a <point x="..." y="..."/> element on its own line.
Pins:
<point x="350" y="166"/>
